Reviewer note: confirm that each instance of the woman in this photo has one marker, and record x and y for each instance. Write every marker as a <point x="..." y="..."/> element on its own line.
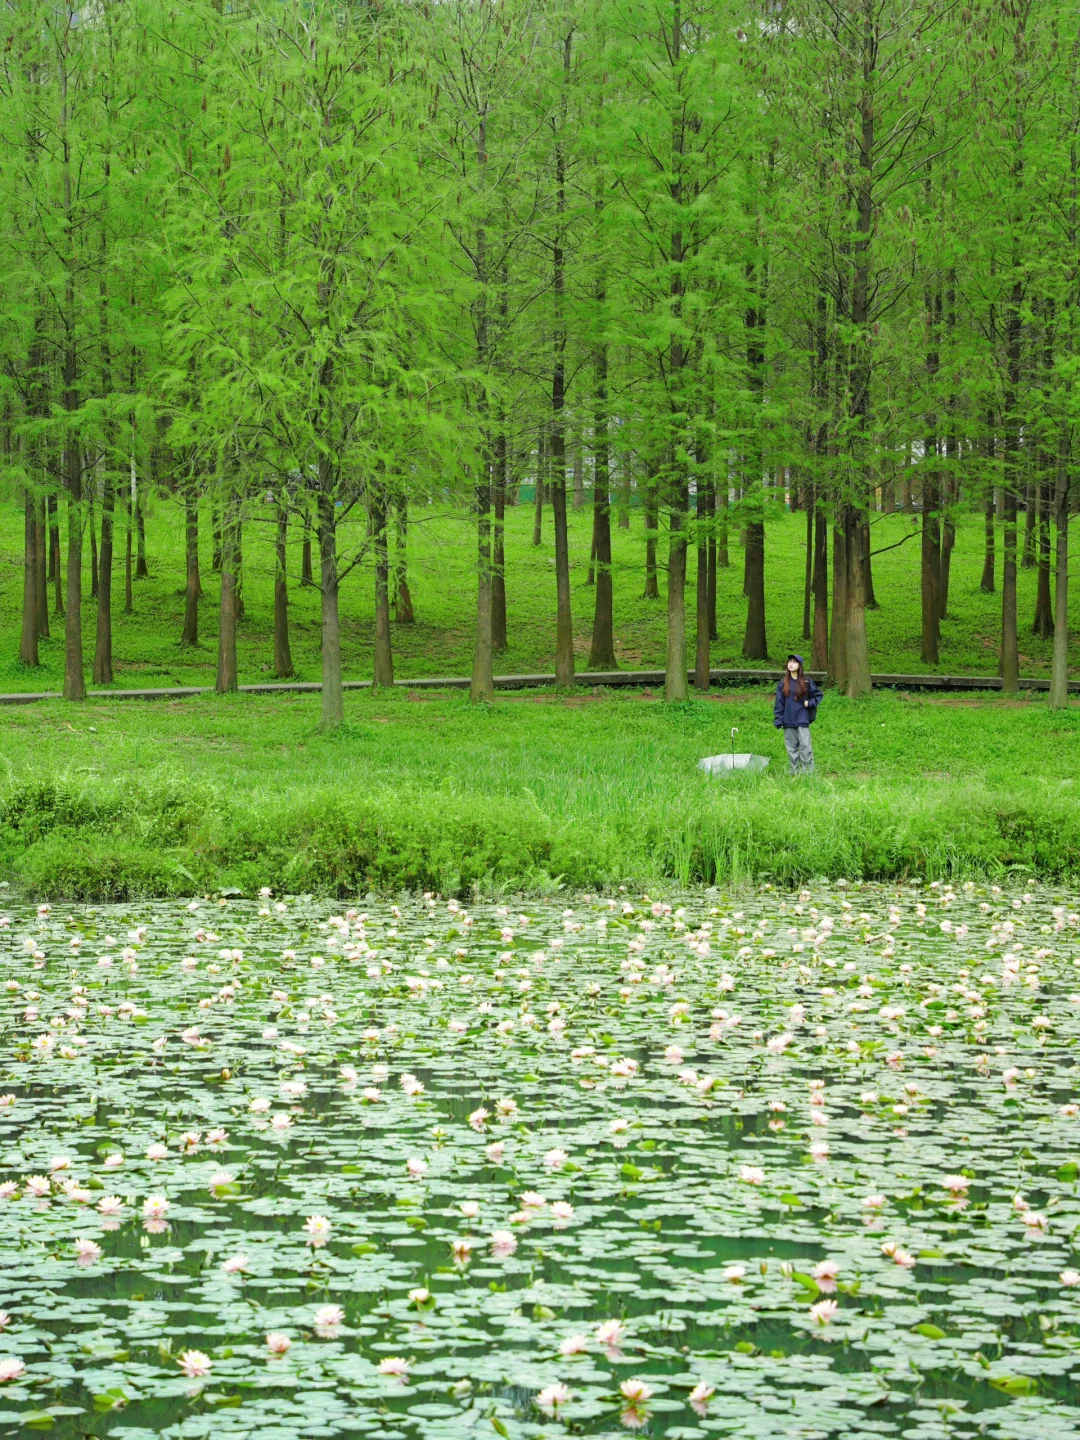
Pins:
<point x="794" y="711"/>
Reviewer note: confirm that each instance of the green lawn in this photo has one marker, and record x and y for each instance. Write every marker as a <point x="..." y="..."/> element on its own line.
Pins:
<point x="441" y="549"/>
<point x="426" y="791"/>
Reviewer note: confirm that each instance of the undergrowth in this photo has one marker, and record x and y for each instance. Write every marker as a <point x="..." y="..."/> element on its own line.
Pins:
<point x="57" y="841"/>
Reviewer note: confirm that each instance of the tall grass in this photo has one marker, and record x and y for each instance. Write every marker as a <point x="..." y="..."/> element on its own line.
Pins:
<point x="64" y="838"/>
<point x="530" y="794"/>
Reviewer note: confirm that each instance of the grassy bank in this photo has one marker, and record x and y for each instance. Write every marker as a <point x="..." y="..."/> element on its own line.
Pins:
<point x="442" y="576"/>
<point x="427" y="792"/>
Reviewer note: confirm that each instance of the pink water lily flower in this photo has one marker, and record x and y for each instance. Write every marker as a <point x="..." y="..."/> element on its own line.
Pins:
<point x="328" y="1320"/>
<point x="195" y="1365"/>
<point x="316" y="1230"/>
<point x="636" y="1391"/>
<point x="825" y="1273"/>
<point x="611" y="1333"/>
<point x="700" y="1396"/>
<point x="552" y="1396"/>
<point x="277" y="1342"/>
<point x="11" y="1368"/>
<point x="396" y="1367"/>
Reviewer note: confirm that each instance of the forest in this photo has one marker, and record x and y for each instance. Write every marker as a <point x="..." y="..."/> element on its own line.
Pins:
<point x="314" y="272"/>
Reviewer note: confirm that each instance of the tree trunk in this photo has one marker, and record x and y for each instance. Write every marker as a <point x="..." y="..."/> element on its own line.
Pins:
<point x="306" y="576"/>
<point x="675" y="673"/>
<point x="702" y="656"/>
<point x="403" y="606"/>
<point x="723" y="560"/>
<point x="141" y="571"/>
<point x="482" y="684"/>
<point x="819" y="644"/>
<point x="56" y="569"/>
<point x="711" y="600"/>
<point x="226" y="682"/>
<point x="74" y="666"/>
<point x="192" y="587"/>
<point x="856" y="650"/>
<point x="948" y="541"/>
<point x="755" y="646"/>
<point x="1059" y="665"/>
<point x="41" y="571"/>
<point x="602" y="650"/>
<point x="1010" y="657"/>
<point x="867" y="565"/>
<point x="93" y="549"/>
<point x="103" y="656"/>
<point x="986" y="584"/>
<point x="1030" y="506"/>
<point x="239" y="566"/>
<point x="564" y="632"/>
<point x="808" y="579"/>
<point x="838" y="640"/>
<point x="624" y="496"/>
<point x="538" y="499"/>
<point x="652" y="522"/>
<point x="579" y="475"/>
<point x="28" y="642"/>
<point x="283" y="665"/>
<point x="54" y="538"/>
<point x="129" y="597"/>
<point x="1043" y="624"/>
<point x="930" y="570"/>
<point x="907" y="498"/>
<point x="384" y="653"/>
<point x="498" y="545"/>
<point x="215" y="535"/>
<point x="333" y="695"/>
<point x="930" y="543"/>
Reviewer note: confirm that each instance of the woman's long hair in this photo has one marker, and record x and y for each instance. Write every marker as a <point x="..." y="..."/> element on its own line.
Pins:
<point x="800" y="683"/>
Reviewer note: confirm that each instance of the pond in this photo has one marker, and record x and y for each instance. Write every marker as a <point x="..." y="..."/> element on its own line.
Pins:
<point x="705" y="1165"/>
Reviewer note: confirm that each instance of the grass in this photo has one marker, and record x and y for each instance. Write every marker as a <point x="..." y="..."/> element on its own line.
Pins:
<point x="538" y="791"/>
<point x="441" y="546"/>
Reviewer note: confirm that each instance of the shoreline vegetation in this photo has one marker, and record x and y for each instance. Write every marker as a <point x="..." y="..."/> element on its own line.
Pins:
<point x="536" y="793"/>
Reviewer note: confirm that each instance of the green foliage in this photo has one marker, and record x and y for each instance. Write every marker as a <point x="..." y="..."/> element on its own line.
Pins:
<point x="75" y="866"/>
<point x="440" y="642"/>
<point x="537" y="793"/>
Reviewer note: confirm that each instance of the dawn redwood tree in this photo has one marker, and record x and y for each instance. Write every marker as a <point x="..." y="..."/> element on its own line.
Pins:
<point x="857" y="82"/>
<point x="672" y="132"/>
<point x="481" y="68"/>
<point x="1010" y="167"/>
<point x="300" y="249"/>
<point x="53" y="79"/>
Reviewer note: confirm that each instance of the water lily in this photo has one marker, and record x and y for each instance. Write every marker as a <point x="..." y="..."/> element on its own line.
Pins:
<point x="552" y="1396"/>
<point x="195" y="1364"/>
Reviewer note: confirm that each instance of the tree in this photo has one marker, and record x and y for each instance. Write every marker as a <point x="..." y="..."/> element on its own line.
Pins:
<point x="300" y="251"/>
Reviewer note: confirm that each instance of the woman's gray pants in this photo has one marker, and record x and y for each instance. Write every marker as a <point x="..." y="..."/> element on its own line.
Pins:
<point x="799" y="749"/>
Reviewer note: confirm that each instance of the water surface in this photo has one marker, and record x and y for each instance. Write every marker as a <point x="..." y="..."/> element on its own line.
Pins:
<point x="633" y="1130"/>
